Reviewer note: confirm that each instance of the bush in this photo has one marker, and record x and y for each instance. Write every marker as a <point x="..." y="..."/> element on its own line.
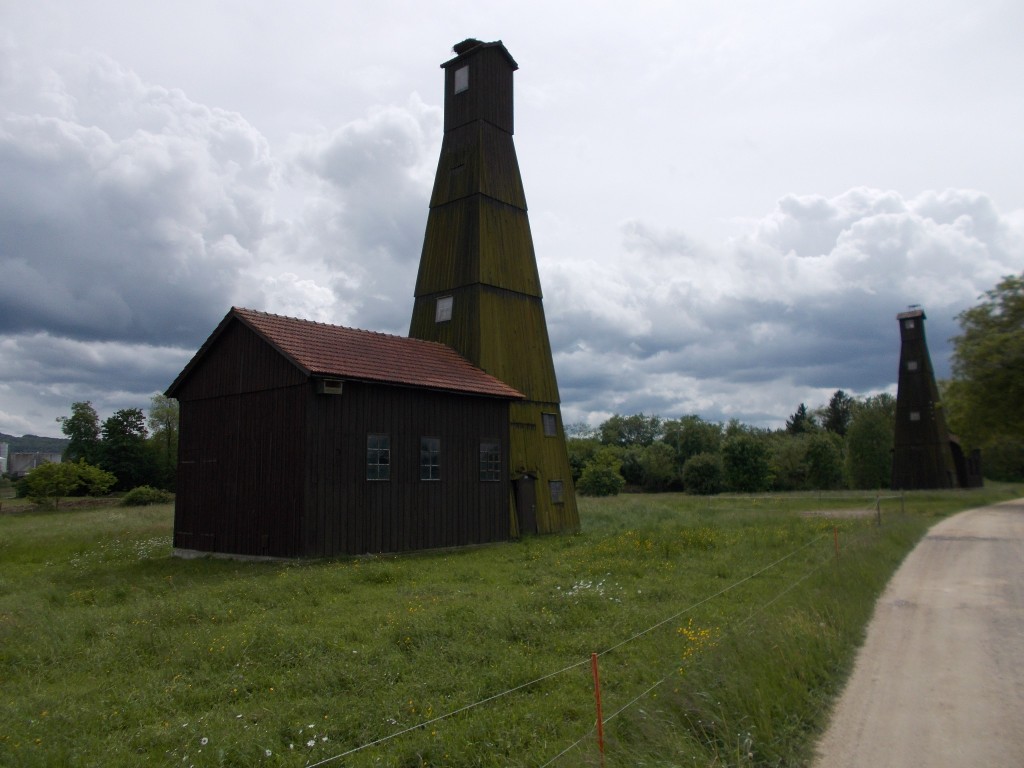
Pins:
<point x="50" y="483"/>
<point x="702" y="474"/>
<point x="145" y="495"/>
<point x="601" y="477"/>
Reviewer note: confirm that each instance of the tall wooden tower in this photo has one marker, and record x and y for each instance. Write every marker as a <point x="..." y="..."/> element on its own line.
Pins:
<point x="478" y="289"/>
<point x="922" y="456"/>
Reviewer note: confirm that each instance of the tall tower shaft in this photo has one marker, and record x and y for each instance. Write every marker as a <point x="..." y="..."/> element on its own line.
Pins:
<point x="478" y="288"/>
<point x="922" y="456"/>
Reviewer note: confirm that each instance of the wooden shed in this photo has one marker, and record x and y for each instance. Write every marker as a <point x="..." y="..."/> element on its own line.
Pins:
<point x="302" y="439"/>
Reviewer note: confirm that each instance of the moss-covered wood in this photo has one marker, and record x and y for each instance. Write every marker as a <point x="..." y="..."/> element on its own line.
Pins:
<point x="478" y="250"/>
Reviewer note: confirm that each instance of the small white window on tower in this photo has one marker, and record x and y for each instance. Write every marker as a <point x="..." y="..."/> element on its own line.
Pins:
<point x="911" y="365"/>
<point x="915" y="415"/>
<point x="908" y="323"/>
<point x="461" y="79"/>
<point x="443" y="311"/>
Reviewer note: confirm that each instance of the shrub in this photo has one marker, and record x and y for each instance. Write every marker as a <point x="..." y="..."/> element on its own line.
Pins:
<point x="601" y="476"/>
<point x="50" y="483"/>
<point x="145" y="495"/>
<point x="702" y="474"/>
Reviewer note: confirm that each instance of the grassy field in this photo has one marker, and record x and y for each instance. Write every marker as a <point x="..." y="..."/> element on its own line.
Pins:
<point x="724" y="628"/>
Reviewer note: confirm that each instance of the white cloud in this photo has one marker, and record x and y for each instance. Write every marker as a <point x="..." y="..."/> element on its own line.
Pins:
<point x="804" y="302"/>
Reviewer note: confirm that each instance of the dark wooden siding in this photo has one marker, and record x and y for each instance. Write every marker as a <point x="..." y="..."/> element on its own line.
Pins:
<point x="241" y="451"/>
<point x="352" y="515"/>
<point x="489" y="96"/>
<point x="238" y="361"/>
<point x="241" y="473"/>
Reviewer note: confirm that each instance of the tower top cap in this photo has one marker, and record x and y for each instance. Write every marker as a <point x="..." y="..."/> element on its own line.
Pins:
<point x="472" y="45"/>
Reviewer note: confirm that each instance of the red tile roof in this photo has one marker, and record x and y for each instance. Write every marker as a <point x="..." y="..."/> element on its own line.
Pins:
<point x="349" y="353"/>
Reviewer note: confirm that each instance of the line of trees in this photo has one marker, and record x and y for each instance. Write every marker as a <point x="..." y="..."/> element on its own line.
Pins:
<point x="136" y="450"/>
<point x="844" y="444"/>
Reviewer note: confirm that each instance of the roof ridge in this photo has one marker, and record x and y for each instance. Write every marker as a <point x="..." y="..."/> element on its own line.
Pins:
<point x="351" y="328"/>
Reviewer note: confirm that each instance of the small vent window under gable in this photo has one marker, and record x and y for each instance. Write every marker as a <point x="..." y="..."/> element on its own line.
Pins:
<point x="462" y="79"/>
<point x="911" y="365"/>
<point x="443" y="311"/>
<point x="908" y="323"/>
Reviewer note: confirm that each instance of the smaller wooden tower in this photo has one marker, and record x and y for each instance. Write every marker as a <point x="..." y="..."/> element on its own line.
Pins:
<point x="922" y="456"/>
<point x="478" y="288"/>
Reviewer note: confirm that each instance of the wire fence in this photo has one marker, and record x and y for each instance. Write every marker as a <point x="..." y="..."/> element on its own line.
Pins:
<point x="585" y="662"/>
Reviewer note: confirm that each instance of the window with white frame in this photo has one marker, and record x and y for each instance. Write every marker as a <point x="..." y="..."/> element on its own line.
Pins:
<point x="378" y="457"/>
<point x="490" y="460"/>
<point x="443" y="310"/>
<point x="462" y="79"/>
<point x="430" y="458"/>
<point x="557" y="490"/>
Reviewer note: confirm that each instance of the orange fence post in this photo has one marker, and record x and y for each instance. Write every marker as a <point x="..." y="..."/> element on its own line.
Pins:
<point x="597" y="700"/>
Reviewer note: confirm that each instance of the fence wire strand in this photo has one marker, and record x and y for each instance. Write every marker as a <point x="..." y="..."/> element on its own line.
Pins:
<point x="582" y="662"/>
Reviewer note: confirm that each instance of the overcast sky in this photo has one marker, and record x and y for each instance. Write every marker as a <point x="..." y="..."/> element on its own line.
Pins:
<point x="730" y="202"/>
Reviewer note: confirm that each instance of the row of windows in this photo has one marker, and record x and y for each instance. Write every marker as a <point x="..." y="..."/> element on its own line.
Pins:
<point x="378" y="458"/>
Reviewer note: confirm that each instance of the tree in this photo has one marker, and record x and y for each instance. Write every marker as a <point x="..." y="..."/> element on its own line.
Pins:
<point x="800" y="422"/>
<point x="824" y="460"/>
<point x="702" y="474"/>
<point x="745" y="463"/>
<point x="789" y="461"/>
<point x="987" y="391"/>
<point x="691" y="435"/>
<point x="869" y="442"/>
<point x="658" y="462"/>
<point x="124" y="452"/>
<point x="581" y="452"/>
<point x="83" y="429"/>
<point x="626" y="431"/>
<point x="601" y="476"/>
<point x="837" y="414"/>
<point x="163" y="426"/>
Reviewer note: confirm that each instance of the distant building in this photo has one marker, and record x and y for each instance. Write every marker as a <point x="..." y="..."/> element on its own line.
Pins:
<point x="3" y="458"/>
<point x="20" y="464"/>
<point x="925" y="455"/>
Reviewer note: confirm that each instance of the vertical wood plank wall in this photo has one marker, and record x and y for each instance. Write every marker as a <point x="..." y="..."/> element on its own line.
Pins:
<point x="269" y="467"/>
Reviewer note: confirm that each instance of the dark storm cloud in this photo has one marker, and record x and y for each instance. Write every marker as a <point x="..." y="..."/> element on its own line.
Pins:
<point x="129" y="214"/>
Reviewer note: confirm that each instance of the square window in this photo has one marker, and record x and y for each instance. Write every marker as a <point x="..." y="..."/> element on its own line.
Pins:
<point x="461" y="79"/>
<point x="908" y="323"/>
<point x="490" y="460"/>
<point x="915" y="415"/>
<point x="556" y="489"/>
<point x="550" y="423"/>
<point x="430" y="458"/>
<point x="443" y="310"/>
<point x="378" y="457"/>
<point x="911" y="365"/>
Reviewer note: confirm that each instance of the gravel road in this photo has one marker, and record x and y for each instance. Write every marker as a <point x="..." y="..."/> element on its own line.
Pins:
<point x="940" y="678"/>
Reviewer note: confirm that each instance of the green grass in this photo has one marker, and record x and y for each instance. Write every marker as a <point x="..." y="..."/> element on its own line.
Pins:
<point x="725" y="628"/>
